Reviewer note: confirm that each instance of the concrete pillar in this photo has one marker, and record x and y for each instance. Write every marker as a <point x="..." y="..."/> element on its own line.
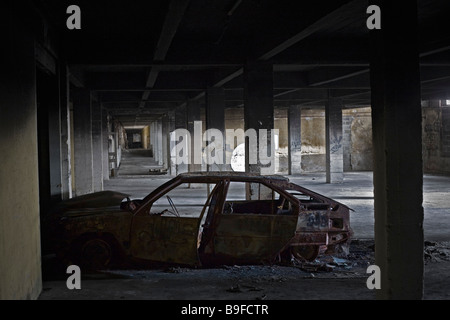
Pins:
<point x="49" y="143"/>
<point x="82" y="127"/>
<point x="20" y="250"/>
<point x="66" y="165"/>
<point x="105" y="142"/>
<point x="159" y="141"/>
<point x="258" y="114"/>
<point x="180" y="123"/>
<point x="334" y="143"/>
<point x="54" y="127"/>
<point x="165" y="141"/>
<point x="215" y="119"/>
<point x="295" y="139"/>
<point x="97" y="146"/>
<point x="193" y="115"/>
<point x="397" y="140"/>
<point x="170" y="143"/>
<point x="153" y="141"/>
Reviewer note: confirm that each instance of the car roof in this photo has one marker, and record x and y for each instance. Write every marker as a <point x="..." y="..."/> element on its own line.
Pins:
<point x="237" y="176"/>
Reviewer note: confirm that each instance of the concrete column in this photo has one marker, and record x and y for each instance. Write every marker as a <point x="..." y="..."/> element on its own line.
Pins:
<point x="180" y="123"/>
<point x="258" y="114"/>
<point x="171" y="144"/>
<point x="82" y="127"/>
<point x="97" y="146"/>
<point x="105" y="150"/>
<point x="334" y="146"/>
<point x="54" y="139"/>
<point x="153" y="141"/>
<point x="295" y="139"/>
<point x="215" y="119"/>
<point x="66" y="165"/>
<point x="193" y="115"/>
<point x="397" y="140"/>
<point x="20" y="250"/>
<point x="159" y="141"/>
<point x="165" y="141"/>
<point x="49" y="143"/>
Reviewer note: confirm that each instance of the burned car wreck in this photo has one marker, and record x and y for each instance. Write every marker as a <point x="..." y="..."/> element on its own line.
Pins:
<point x="243" y="219"/>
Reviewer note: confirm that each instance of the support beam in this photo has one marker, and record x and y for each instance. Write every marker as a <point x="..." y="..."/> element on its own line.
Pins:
<point x="295" y="139"/>
<point x="397" y="140"/>
<point x="105" y="144"/>
<point x="49" y="139"/>
<point x="82" y="126"/>
<point x="20" y="250"/>
<point x="165" y="142"/>
<point x="330" y="19"/>
<point x="171" y="144"/>
<point x="173" y="19"/>
<point x="180" y="123"/>
<point x="215" y="119"/>
<point x="159" y="141"/>
<point x="97" y="146"/>
<point x="258" y="114"/>
<point x="66" y="165"/>
<point x="334" y="136"/>
<point x="193" y="115"/>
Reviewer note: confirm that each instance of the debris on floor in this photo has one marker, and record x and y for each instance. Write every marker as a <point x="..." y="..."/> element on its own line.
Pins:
<point x="436" y="251"/>
<point x="176" y="270"/>
<point x="158" y="171"/>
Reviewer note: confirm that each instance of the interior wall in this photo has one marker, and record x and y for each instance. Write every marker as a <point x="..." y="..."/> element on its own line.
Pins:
<point x="357" y="139"/>
<point x="313" y="140"/>
<point x="436" y="137"/>
<point x="20" y="255"/>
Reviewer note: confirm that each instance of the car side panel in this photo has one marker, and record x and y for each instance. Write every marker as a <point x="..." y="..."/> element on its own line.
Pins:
<point x="165" y="239"/>
<point x="252" y="237"/>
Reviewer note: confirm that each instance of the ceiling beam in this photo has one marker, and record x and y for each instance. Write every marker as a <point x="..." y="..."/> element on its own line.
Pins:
<point x="326" y="21"/>
<point x="177" y="9"/>
<point x="329" y="21"/>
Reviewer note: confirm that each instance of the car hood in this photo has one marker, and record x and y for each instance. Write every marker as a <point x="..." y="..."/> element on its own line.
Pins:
<point x="94" y="200"/>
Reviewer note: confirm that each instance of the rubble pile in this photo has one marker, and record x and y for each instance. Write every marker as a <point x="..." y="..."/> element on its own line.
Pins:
<point x="436" y="251"/>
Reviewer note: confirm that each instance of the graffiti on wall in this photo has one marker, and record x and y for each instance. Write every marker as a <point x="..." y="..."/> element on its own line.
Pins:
<point x="335" y="143"/>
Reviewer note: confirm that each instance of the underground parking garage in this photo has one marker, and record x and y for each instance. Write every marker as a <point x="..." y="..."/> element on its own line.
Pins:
<point x="213" y="109"/>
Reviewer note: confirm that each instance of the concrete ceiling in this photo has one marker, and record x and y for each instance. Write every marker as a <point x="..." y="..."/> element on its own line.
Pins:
<point x="144" y="58"/>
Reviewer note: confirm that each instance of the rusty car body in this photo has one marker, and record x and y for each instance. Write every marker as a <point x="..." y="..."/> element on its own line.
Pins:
<point x="233" y="225"/>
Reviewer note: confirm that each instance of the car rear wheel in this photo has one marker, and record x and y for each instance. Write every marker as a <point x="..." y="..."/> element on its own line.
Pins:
<point x="93" y="253"/>
<point x="308" y="253"/>
<point x="96" y="253"/>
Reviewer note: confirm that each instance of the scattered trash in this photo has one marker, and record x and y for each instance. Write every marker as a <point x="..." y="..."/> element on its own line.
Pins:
<point x="436" y="252"/>
<point x="243" y="288"/>
<point x="235" y="289"/>
<point x="339" y="262"/>
<point x="175" y="270"/>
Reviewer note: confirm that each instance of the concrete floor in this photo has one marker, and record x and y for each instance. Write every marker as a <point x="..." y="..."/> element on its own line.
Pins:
<point x="271" y="282"/>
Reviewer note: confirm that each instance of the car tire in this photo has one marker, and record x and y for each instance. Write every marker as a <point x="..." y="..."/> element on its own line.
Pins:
<point x="308" y="253"/>
<point x="94" y="253"/>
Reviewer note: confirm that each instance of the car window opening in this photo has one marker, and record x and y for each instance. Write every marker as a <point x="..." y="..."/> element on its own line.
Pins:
<point x="266" y="200"/>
